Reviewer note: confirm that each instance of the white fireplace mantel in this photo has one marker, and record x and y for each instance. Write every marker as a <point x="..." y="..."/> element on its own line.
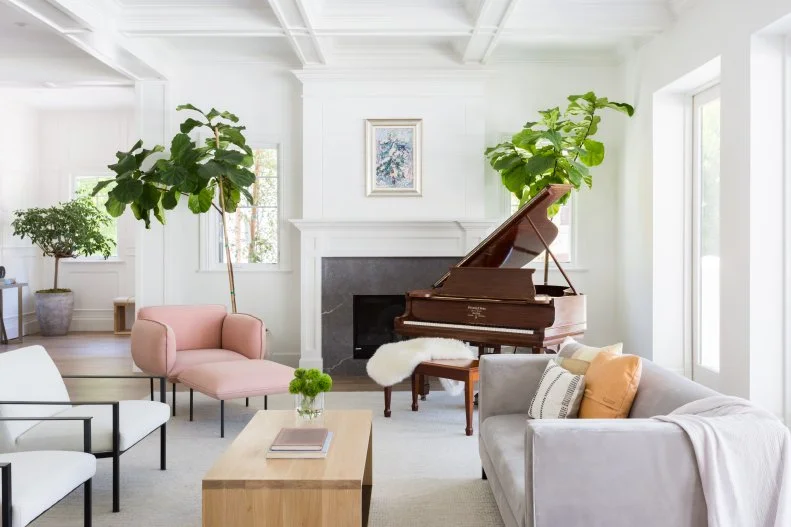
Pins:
<point x="370" y="238"/>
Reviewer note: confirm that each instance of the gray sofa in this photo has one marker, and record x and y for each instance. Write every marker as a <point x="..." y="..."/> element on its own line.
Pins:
<point x="587" y="472"/>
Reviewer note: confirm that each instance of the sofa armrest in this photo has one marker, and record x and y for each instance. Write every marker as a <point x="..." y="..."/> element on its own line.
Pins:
<point x="153" y="346"/>
<point x="244" y="334"/>
<point x="611" y="472"/>
<point x="508" y="382"/>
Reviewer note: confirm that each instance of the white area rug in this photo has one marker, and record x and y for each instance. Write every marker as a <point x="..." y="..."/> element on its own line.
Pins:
<point x="426" y="471"/>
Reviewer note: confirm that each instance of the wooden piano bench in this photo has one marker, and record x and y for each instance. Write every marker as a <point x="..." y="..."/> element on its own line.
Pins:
<point x="464" y="370"/>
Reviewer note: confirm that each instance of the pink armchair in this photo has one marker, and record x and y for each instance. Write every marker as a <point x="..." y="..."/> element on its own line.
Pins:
<point x="166" y="340"/>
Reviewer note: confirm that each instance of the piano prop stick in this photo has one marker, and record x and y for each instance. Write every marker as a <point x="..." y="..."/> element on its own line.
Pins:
<point x="489" y="299"/>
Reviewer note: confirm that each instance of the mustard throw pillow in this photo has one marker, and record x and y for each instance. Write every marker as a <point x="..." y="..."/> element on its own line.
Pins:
<point x="576" y="356"/>
<point x="610" y="386"/>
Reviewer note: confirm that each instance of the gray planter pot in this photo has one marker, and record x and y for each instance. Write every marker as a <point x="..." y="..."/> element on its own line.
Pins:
<point x="54" y="311"/>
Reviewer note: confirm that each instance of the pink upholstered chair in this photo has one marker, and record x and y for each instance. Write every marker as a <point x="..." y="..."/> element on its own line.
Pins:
<point x="166" y="340"/>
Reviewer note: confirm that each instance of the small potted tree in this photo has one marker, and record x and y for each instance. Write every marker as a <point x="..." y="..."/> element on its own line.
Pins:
<point x="67" y="230"/>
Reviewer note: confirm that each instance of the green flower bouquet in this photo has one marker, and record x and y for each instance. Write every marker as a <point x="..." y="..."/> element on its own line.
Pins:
<point x="309" y="386"/>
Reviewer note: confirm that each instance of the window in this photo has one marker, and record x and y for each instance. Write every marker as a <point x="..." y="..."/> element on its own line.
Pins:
<point x="706" y="231"/>
<point x="83" y="185"/>
<point x="253" y="230"/>
<point x="561" y="247"/>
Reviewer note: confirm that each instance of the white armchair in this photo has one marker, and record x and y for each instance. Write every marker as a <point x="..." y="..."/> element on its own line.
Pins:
<point x="32" y="482"/>
<point x="31" y="386"/>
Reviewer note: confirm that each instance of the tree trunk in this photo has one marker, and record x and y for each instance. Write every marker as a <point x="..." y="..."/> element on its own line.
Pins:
<point x="225" y="234"/>
<point x="57" y="262"/>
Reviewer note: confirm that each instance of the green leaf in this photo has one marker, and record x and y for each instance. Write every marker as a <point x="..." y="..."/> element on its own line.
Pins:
<point x="620" y="106"/>
<point x="174" y="174"/>
<point x="525" y="138"/>
<point x="230" y="157"/>
<point x="514" y="181"/>
<point x="188" y="106"/>
<point x="150" y="197"/>
<point x="114" y="207"/>
<point x="170" y="199"/>
<point x="212" y="114"/>
<point x="126" y="163"/>
<point x="159" y="213"/>
<point x="593" y="153"/>
<point x="234" y="136"/>
<point x="137" y="210"/>
<point x="537" y="165"/>
<point x="553" y="137"/>
<point x="231" y="117"/>
<point x="200" y="202"/>
<point x="507" y="162"/>
<point x="127" y="190"/>
<point x="241" y="177"/>
<point x="100" y="185"/>
<point x="180" y="144"/>
<point x="211" y="170"/>
<point x="189" y="124"/>
<point x="247" y="195"/>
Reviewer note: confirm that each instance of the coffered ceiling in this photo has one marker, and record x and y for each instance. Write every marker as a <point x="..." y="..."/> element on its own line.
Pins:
<point x="143" y="39"/>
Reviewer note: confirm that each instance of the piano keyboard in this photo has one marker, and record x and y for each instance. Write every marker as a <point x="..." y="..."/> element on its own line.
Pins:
<point x="465" y="326"/>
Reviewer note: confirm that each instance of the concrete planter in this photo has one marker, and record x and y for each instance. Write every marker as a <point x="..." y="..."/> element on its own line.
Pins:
<point x="54" y="312"/>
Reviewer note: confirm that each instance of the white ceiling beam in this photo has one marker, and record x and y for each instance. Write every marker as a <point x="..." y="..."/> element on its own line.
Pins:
<point x="492" y="19"/>
<point x="298" y="28"/>
<point x="178" y="21"/>
<point x="90" y="27"/>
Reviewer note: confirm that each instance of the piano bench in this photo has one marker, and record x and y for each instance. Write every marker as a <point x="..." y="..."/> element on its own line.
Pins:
<point x="464" y="370"/>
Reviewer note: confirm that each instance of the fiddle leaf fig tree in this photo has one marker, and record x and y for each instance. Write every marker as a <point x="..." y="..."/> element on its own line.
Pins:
<point x="67" y="230"/>
<point x="558" y="148"/>
<point x="215" y="175"/>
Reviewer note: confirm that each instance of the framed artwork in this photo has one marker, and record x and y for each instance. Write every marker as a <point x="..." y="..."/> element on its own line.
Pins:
<point x="393" y="157"/>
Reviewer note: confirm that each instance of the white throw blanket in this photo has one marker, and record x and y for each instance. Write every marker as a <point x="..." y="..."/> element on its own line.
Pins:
<point x="394" y="362"/>
<point x="744" y="459"/>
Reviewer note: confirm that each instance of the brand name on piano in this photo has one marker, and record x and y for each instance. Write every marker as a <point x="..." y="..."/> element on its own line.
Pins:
<point x="476" y="312"/>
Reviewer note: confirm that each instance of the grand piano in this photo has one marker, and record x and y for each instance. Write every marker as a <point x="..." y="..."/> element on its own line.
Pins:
<point x="489" y="298"/>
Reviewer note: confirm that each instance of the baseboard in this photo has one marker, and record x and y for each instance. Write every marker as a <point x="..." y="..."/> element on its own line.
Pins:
<point x="92" y="320"/>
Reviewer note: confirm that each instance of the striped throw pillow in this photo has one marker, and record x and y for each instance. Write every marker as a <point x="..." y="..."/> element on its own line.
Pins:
<point x="559" y="394"/>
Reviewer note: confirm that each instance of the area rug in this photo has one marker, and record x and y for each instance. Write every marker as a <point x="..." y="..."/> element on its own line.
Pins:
<point x="426" y="471"/>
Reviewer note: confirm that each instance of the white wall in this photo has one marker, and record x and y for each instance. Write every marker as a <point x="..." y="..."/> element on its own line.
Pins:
<point x="18" y="184"/>
<point x="83" y="142"/>
<point x="751" y="352"/>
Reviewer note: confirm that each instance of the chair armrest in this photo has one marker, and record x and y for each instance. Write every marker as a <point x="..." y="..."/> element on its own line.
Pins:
<point x="244" y="334"/>
<point x="630" y="471"/>
<point x="86" y="426"/>
<point x="508" y="382"/>
<point x="153" y="346"/>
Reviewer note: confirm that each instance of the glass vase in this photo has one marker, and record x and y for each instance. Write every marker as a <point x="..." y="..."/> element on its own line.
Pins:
<point x="309" y="408"/>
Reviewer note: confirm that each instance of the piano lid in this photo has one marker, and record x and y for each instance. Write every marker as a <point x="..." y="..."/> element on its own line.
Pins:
<point x="515" y="244"/>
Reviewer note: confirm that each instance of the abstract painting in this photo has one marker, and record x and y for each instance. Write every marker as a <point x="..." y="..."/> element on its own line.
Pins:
<point x="393" y="157"/>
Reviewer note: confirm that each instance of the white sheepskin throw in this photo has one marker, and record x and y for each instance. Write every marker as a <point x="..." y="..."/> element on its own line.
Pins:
<point x="394" y="362"/>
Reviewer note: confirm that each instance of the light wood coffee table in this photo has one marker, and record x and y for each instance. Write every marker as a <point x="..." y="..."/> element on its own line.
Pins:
<point x="243" y="488"/>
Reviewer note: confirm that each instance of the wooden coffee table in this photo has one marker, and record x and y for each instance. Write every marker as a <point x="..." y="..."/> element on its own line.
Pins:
<point x="243" y="488"/>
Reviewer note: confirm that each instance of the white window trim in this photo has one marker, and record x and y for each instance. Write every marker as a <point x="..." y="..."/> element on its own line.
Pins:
<point x="699" y="372"/>
<point x="209" y="231"/>
<point x="73" y="177"/>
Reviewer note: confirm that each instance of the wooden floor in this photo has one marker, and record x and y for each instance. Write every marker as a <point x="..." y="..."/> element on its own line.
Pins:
<point x="96" y="353"/>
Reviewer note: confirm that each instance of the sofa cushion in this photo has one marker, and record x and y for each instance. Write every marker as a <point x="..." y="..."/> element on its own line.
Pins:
<point x="191" y="358"/>
<point x="504" y="439"/>
<point x="610" y="386"/>
<point x="576" y="356"/>
<point x="661" y="391"/>
<point x="196" y="327"/>
<point x="41" y="479"/>
<point x="233" y="380"/>
<point x="137" y="420"/>
<point x="559" y="394"/>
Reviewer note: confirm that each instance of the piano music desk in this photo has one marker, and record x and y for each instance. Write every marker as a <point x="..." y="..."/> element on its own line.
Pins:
<point x="464" y="370"/>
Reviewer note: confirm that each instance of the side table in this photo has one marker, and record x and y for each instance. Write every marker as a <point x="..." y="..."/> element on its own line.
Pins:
<point x="3" y="334"/>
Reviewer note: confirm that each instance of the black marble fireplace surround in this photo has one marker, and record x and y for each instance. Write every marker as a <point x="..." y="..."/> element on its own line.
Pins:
<point x="342" y="278"/>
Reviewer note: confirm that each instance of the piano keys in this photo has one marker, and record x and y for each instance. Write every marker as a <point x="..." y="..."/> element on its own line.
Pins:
<point x="490" y="299"/>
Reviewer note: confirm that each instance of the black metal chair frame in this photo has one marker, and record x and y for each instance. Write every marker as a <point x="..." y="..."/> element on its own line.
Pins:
<point x="116" y="451"/>
<point x="5" y="473"/>
<point x="222" y="409"/>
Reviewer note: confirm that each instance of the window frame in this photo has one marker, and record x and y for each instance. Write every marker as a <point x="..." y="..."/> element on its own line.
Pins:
<point x="698" y="99"/>
<point x="210" y="227"/>
<point x="116" y="258"/>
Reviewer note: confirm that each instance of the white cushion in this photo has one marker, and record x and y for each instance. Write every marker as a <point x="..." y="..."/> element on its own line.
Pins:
<point x="28" y="374"/>
<point x="576" y="356"/>
<point x="137" y="420"/>
<point x="41" y="479"/>
<point x="559" y="394"/>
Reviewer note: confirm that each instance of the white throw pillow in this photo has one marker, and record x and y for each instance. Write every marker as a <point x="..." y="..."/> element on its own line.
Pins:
<point x="576" y="356"/>
<point x="559" y="394"/>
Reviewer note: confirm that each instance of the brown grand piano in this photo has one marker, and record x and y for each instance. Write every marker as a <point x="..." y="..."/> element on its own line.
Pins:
<point x="490" y="300"/>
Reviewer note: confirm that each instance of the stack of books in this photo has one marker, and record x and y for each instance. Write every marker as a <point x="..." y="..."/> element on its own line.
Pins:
<point x="300" y="443"/>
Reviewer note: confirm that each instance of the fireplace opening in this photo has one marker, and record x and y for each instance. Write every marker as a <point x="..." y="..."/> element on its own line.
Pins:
<point x="373" y="322"/>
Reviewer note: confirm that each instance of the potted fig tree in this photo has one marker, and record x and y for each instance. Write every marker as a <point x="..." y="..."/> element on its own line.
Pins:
<point x="66" y="230"/>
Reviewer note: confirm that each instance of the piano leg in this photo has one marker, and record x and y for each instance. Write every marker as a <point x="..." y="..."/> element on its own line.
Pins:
<point x="468" y="387"/>
<point x="425" y="386"/>
<point x="415" y="390"/>
<point x="388" y="393"/>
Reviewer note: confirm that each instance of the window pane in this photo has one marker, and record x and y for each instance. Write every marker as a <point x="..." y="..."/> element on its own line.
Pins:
<point x="709" y="234"/>
<point x="561" y="247"/>
<point x="83" y="185"/>
<point x="253" y="229"/>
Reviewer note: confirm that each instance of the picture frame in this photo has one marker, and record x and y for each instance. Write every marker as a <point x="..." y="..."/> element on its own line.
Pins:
<point x="393" y="157"/>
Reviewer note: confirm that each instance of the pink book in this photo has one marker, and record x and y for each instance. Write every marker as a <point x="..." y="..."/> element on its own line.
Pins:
<point x="299" y="439"/>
